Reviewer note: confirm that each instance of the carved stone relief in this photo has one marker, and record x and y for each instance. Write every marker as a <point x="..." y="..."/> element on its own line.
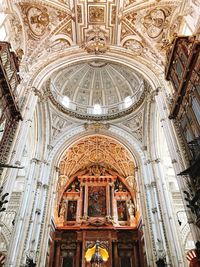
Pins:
<point x="96" y="149"/>
<point x="96" y="40"/>
<point x="41" y="22"/>
<point x="37" y="19"/>
<point x="129" y="2"/>
<point x="97" y="26"/>
<point x="135" y="125"/>
<point x="134" y="45"/>
<point x="96" y="14"/>
<point x="125" y="31"/>
<point x="59" y="125"/>
<point x="17" y="35"/>
<point x="155" y="21"/>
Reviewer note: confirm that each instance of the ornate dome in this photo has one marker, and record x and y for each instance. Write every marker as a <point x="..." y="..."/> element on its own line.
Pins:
<point x="97" y="88"/>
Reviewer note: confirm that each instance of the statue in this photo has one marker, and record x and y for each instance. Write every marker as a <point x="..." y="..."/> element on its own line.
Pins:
<point x="62" y="211"/>
<point x="131" y="208"/>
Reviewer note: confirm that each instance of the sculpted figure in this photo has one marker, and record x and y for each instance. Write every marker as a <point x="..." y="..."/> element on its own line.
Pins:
<point x="131" y="208"/>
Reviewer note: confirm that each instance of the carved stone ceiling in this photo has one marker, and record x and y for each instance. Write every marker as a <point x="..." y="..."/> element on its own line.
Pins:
<point x="96" y="150"/>
<point x="48" y="30"/>
<point x="96" y="82"/>
<point x="136" y="27"/>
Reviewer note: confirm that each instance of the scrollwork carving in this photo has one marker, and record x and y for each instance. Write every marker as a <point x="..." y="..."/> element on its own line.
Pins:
<point x="96" y="41"/>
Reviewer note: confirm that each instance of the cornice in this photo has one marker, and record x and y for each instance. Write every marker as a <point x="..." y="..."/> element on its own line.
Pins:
<point x="90" y="117"/>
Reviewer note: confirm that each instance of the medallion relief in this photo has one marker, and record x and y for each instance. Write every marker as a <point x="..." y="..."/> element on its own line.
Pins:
<point x="38" y="20"/>
<point x="41" y="19"/>
<point x="134" y="45"/>
<point x="155" y="22"/>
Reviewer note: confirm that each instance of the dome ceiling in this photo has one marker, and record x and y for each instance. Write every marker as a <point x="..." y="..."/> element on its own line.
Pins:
<point x="54" y="30"/>
<point x="97" y="82"/>
<point x="111" y="86"/>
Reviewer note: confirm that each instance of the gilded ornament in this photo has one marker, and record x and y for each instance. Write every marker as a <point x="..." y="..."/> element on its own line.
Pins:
<point x="96" y="14"/>
<point x="113" y="14"/>
<point x="67" y="29"/>
<point x="96" y="150"/>
<point x="96" y="41"/>
<point x="38" y="20"/>
<point x="125" y="31"/>
<point x="131" y="17"/>
<point x="79" y="14"/>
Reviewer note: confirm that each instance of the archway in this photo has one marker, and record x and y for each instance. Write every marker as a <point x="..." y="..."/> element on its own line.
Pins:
<point x="97" y="202"/>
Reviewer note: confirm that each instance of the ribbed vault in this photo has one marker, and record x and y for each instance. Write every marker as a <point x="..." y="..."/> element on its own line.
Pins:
<point x="97" y="150"/>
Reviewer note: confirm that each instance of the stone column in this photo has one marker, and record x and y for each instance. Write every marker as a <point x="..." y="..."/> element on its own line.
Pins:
<point x="19" y="142"/>
<point x="40" y="223"/>
<point x="177" y="152"/>
<point x="172" y="232"/>
<point x="50" y="199"/>
<point x="154" y="223"/>
<point x="22" y="222"/>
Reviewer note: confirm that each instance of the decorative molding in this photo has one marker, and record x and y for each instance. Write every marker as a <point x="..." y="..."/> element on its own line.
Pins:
<point x="96" y="126"/>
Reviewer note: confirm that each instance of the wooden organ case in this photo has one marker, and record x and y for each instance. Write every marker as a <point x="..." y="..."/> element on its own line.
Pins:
<point x="9" y="106"/>
<point x="183" y="70"/>
<point x="97" y="207"/>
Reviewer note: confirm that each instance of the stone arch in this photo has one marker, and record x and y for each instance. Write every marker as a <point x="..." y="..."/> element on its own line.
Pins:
<point x="119" y="135"/>
<point x="40" y="72"/>
<point x="4" y="238"/>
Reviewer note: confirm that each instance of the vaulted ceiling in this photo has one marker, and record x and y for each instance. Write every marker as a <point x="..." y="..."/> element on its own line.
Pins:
<point x="137" y="27"/>
<point x="57" y="34"/>
<point x="97" y="150"/>
<point x="96" y="82"/>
